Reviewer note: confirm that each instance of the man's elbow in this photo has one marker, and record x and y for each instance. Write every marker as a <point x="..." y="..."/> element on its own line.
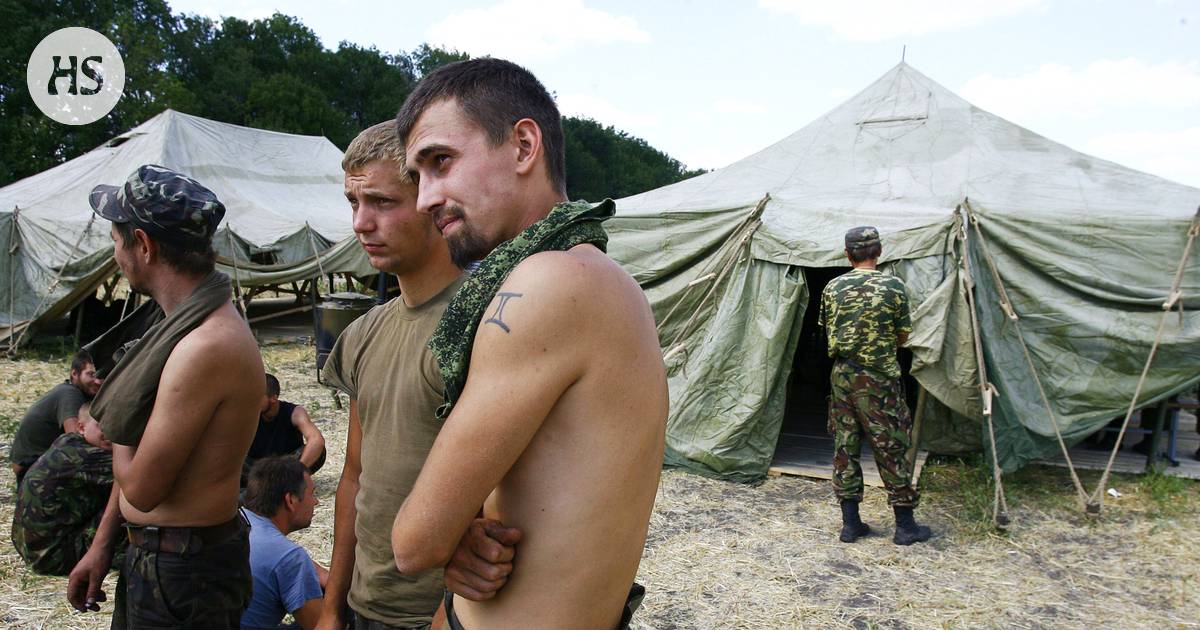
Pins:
<point x="141" y="498"/>
<point x="414" y="555"/>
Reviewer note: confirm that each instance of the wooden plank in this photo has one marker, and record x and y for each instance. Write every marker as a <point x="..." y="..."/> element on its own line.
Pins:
<point x="812" y="456"/>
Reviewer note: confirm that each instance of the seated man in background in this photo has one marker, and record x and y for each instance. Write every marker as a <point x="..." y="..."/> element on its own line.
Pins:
<point x="54" y="414"/>
<point x="62" y="498"/>
<point x="279" y="500"/>
<point x="285" y="428"/>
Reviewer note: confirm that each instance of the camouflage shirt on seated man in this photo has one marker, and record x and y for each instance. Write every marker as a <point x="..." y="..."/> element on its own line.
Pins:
<point x="60" y="502"/>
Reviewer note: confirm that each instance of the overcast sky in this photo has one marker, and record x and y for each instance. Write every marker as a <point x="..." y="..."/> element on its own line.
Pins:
<point x="712" y="82"/>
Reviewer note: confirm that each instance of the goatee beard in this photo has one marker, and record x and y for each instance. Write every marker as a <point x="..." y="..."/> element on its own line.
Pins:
<point x="467" y="247"/>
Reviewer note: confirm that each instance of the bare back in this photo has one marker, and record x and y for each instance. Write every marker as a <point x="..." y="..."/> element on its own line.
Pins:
<point x="204" y="419"/>
<point x="584" y="487"/>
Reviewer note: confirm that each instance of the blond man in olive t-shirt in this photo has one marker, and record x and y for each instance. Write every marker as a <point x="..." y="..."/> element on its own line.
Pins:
<point x="381" y="361"/>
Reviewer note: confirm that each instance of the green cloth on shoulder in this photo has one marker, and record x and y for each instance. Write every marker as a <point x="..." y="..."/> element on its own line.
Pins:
<point x="568" y="224"/>
<point x="126" y="398"/>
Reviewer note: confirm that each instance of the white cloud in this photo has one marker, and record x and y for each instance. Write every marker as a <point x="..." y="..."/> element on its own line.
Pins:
<point x="606" y="113"/>
<point x="877" y="20"/>
<point x="733" y="106"/>
<point x="1174" y="155"/>
<point x="519" y="29"/>
<point x="1055" y="90"/>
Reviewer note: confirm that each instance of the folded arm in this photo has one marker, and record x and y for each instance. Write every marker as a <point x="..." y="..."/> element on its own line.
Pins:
<point x="523" y="359"/>
<point x="188" y="396"/>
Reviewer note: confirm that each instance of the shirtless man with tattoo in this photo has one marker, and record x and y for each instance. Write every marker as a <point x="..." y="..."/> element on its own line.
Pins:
<point x="558" y="430"/>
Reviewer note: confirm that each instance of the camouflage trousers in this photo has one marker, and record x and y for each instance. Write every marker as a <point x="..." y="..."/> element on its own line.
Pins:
<point x="865" y="403"/>
<point x="197" y="591"/>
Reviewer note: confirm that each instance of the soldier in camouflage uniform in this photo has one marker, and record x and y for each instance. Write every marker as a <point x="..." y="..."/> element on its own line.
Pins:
<point x="61" y="499"/>
<point x="866" y="318"/>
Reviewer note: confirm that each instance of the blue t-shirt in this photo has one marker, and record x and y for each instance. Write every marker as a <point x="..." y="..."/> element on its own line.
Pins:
<point x="284" y="576"/>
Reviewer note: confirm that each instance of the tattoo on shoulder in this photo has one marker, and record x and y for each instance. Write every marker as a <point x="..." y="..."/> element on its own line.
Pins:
<point x="497" y="318"/>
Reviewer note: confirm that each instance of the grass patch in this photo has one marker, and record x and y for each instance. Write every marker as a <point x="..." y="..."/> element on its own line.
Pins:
<point x="963" y="486"/>
<point x="1169" y="496"/>
<point x="8" y="427"/>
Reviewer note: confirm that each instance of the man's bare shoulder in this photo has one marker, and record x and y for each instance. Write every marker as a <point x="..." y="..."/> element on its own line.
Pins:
<point x="581" y="273"/>
<point x="223" y="338"/>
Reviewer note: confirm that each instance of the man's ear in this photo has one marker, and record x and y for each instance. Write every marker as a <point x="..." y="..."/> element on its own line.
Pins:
<point x="146" y="248"/>
<point x="290" y="501"/>
<point x="528" y="137"/>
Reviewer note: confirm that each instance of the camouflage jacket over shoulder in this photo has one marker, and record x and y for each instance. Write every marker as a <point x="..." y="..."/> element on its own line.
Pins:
<point x="59" y="504"/>
<point x="863" y="312"/>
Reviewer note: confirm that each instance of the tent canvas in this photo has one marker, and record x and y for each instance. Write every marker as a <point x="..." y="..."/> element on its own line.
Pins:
<point x="1086" y="250"/>
<point x="286" y="219"/>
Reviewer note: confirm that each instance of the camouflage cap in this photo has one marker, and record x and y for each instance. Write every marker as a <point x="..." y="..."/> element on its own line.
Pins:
<point x="167" y="204"/>
<point x="862" y="236"/>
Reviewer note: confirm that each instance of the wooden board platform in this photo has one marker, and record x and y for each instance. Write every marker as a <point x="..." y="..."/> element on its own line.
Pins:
<point x="1128" y="461"/>
<point x="812" y="456"/>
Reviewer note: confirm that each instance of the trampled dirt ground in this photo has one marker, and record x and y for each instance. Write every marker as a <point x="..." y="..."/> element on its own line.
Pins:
<point x="722" y="555"/>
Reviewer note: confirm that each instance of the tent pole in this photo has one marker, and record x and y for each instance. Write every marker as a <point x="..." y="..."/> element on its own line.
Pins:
<point x="79" y="310"/>
<point x="918" y="421"/>
<point x="986" y="389"/>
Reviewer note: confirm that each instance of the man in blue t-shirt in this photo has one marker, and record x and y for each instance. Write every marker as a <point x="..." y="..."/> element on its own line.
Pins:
<point x="279" y="500"/>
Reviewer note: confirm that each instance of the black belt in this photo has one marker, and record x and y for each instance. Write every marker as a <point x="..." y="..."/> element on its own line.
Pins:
<point x="855" y="364"/>
<point x="182" y="540"/>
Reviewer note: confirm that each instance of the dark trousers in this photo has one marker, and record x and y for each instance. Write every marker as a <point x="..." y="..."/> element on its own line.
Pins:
<point x="208" y="589"/>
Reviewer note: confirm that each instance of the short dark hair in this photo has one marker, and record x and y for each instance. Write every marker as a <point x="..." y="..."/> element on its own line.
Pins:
<point x="81" y="360"/>
<point x="495" y="94"/>
<point x="861" y="254"/>
<point x="196" y="262"/>
<point x="270" y="480"/>
<point x="272" y="385"/>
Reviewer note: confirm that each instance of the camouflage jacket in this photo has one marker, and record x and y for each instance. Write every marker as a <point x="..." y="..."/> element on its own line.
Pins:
<point x="568" y="224"/>
<point x="863" y="311"/>
<point x="59" y="504"/>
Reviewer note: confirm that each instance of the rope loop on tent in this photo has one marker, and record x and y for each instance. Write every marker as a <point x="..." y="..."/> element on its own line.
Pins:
<point x="1080" y="492"/>
<point x="1173" y="297"/>
<point x="237" y="275"/>
<point x="53" y="285"/>
<point x="986" y="389"/>
<point x="14" y="239"/>
<point x="733" y="246"/>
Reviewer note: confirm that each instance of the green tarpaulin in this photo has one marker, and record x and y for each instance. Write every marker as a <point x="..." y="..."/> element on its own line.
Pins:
<point x="282" y="192"/>
<point x="1085" y="248"/>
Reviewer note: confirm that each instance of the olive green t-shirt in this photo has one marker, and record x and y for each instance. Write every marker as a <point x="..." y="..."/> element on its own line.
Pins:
<point x="44" y="421"/>
<point x="382" y="361"/>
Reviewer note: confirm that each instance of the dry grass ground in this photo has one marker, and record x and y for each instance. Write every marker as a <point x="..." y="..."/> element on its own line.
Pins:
<point x="722" y="555"/>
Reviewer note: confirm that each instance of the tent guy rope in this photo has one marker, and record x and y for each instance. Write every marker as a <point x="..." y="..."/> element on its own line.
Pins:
<point x="1173" y="297"/>
<point x="1006" y="305"/>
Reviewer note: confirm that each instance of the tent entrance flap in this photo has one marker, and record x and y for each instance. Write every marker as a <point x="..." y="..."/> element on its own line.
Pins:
<point x="806" y="411"/>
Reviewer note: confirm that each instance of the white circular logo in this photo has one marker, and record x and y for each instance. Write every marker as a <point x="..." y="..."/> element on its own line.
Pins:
<point x="76" y="76"/>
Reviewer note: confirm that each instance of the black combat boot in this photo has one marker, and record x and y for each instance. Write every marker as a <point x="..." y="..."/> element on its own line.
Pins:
<point x="852" y="526"/>
<point x="907" y="529"/>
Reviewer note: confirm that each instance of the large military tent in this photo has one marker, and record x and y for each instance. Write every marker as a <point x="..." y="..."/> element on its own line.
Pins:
<point x="286" y="219"/>
<point x="1081" y="251"/>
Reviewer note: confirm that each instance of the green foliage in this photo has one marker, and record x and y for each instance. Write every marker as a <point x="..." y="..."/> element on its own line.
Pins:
<point x="607" y="162"/>
<point x="271" y="73"/>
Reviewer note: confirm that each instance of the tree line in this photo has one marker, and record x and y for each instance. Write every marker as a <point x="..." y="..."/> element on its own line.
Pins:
<point x="272" y="73"/>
